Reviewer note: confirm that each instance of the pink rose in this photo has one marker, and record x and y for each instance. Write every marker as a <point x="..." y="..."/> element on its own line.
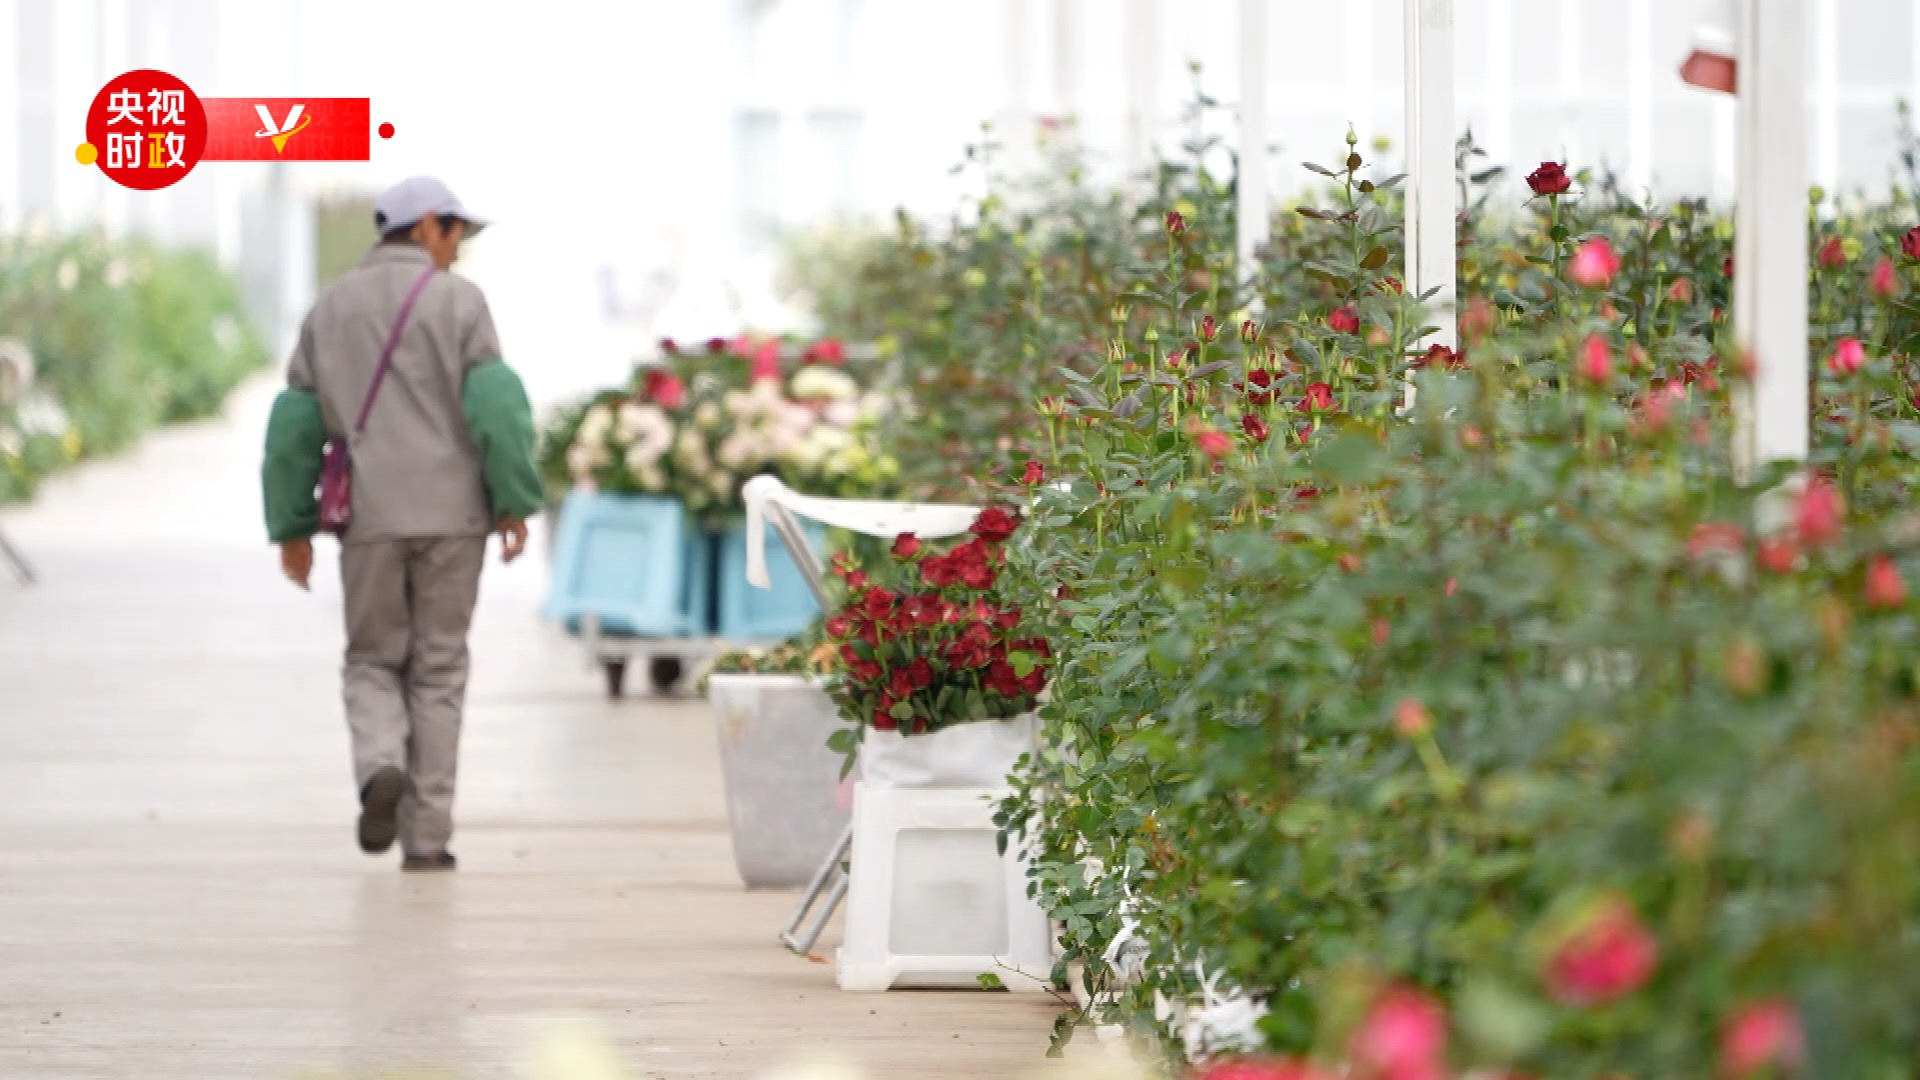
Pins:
<point x="1594" y="264"/>
<point x="1403" y="1037"/>
<point x="1608" y="956"/>
<point x="1766" y="1035"/>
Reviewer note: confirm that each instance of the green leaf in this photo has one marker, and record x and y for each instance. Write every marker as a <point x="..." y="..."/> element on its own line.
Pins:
<point x="1375" y="259"/>
<point x="1502" y="1022"/>
<point x="1187" y="579"/>
<point x="1351" y="457"/>
<point x="901" y="711"/>
<point x="1022" y="662"/>
<point x="990" y="981"/>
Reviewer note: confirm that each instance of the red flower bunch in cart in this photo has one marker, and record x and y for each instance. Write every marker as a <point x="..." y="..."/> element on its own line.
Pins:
<point x="928" y="642"/>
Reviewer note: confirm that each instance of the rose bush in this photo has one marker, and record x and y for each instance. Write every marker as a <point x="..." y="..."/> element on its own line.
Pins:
<point x="1502" y="729"/>
<point x="103" y="339"/>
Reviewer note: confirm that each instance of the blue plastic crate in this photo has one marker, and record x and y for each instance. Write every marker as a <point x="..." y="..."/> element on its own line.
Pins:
<point x="635" y="562"/>
<point x="749" y="613"/>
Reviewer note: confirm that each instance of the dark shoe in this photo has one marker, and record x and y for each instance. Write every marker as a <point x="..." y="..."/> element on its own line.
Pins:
<point x="443" y="863"/>
<point x="379" y="809"/>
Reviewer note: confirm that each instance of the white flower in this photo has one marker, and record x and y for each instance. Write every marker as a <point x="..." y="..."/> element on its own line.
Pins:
<point x="736" y="450"/>
<point x="721" y="484"/>
<point x="707" y="416"/>
<point x="11" y="442"/>
<point x="597" y="423"/>
<point x="116" y="273"/>
<point x="40" y="414"/>
<point x="68" y="275"/>
<point x="841" y="414"/>
<point x="582" y="459"/>
<point x="691" y="450"/>
<point x="816" y="383"/>
<point x="651" y="478"/>
<point x="820" y="445"/>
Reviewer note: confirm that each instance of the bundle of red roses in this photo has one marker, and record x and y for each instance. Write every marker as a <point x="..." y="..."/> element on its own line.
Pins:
<point x="930" y="645"/>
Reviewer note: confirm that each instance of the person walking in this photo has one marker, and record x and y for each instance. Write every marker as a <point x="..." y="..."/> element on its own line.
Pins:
<point x="403" y="432"/>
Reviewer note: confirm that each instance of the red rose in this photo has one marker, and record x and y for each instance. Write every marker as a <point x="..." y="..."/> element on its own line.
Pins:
<point x="1212" y="443"/>
<point x="977" y="576"/>
<point x="937" y="571"/>
<point x="664" y="388"/>
<point x="1258" y="382"/>
<point x="827" y="351"/>
<point x="716" y="345"/>
<point x="906" y="546"/>
<point x="1550" y="179"/>
<point x="1249" y="331"/>
<point x="900" y="683"/>
<point x="1439" y="356"/>
<point x="839" y="626"/>
<point x="1034" y="475"/>
<point x="1596" y="360"/>
<point x="1885" y="589"/>
<point x="920" y="673"/>
<point x="850" y="654"/>
<point x="1715" y="536"/>
<point x="1256" y="428"/>
<point x="1681" y="291"/>
<point x="1777" y="555"/>
<point x="1034" y="682"/>
<point x="878" y="603"/>
<point x="1208" y="328"/>
<point x="1832" y="255"/>
<point x="766" y="361"/>
<point x="1176" y="224"/>
<point x="866" y="671"/>
<point x="1884" y="281"/>
<point x="1343" y="320"/>
<point x="669" y="346"/>
<point x="1609" y="956"/>
<point x="1319" y="398"/>
<point x="1818" y="513"/>
<point x="883" y="715"/>
<point x="1007" y="618"/>
<point x="994" y="525"/>
<point x="1910" y="243"/>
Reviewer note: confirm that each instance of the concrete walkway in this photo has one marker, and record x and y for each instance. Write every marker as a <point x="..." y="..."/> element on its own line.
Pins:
<point x="180" y="896"/>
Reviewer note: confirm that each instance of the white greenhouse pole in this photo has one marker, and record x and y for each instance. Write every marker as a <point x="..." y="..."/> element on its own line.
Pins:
<point x="1254" y="212"/>
<point x="1431" y="188"/>
<point x="1770" y="233"/>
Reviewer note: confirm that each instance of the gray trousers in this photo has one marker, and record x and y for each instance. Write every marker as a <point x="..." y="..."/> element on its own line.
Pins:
<point x="409" y="605"/>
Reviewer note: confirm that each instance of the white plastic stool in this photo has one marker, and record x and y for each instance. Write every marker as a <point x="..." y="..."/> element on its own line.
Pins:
<point x="932" y="903"/>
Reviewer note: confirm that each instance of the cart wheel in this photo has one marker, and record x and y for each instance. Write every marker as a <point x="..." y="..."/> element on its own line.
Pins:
<point x="616" y="669"/>
<point x="665" y="672"/>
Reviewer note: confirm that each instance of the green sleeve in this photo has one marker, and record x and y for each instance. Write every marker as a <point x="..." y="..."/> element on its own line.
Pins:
<point x="501" y="421"/>
<point x="296" y="440"/>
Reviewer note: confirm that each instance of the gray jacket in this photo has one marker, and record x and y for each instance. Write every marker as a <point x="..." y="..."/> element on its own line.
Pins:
<point x="416" y="469"/>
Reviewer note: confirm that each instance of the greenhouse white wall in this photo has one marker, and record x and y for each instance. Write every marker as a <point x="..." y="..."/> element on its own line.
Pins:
<point x="860" y="105"/>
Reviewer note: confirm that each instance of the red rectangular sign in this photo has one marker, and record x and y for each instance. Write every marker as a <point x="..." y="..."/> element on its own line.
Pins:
<point x="289" y="129"/>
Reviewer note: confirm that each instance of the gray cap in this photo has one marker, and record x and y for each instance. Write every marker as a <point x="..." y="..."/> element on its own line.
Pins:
<point x="417" y="197"/>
